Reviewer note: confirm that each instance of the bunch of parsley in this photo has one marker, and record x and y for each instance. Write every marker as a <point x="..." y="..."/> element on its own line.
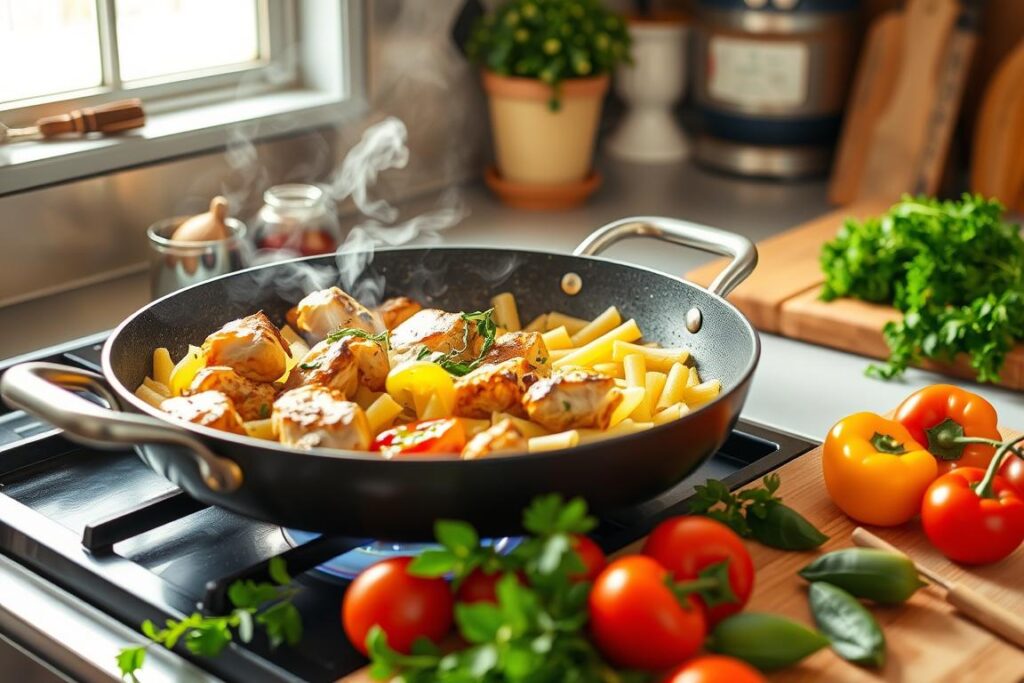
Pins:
<point x="955" y="269"/>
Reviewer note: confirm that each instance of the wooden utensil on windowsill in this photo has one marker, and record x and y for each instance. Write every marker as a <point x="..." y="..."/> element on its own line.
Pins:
<point x="971" y="603"/>
<point x="107" y="118"/>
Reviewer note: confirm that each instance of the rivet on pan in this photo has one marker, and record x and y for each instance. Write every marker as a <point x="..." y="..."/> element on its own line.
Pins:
<point x="694" y="320"/>
<point x="572" y="284"/>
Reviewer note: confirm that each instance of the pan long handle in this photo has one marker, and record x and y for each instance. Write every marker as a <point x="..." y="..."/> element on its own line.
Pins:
<point x="45" y="390"/>
<point x="742" y="252"/>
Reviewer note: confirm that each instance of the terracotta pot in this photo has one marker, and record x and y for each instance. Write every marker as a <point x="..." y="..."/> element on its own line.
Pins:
<point x="536" y="145"/>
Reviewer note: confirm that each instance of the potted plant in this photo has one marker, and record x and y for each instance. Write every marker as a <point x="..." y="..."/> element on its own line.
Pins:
<point x="546" y="66"/>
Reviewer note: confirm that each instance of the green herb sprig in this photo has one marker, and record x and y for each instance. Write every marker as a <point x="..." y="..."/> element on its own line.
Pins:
<point x="483" y="322"/>
<point x="954" y="269"/>
<point x="268" y="605"/>
<point x="757" y="513"/>
<point x="383" y="338"/>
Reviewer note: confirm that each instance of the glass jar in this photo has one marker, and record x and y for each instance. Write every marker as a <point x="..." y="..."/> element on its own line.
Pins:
<point x="297" y="220"/>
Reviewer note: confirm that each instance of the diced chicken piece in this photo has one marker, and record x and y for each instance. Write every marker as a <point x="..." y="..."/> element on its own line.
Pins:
<point x="436" y="331"/>
<point x="503" y="436"/>
<point x="491" y="388"/>
<point x="252" y="346"/>
<point x="329" y="310"/>
<point x="208" y="408"/>
<point x="313" y="416"/>
<point x="252" y="399"/>
<point x="528" y="345"/>
<point x="571" y="400"/>
<point x="343" y="365"/>
<point x="393" y="312"/>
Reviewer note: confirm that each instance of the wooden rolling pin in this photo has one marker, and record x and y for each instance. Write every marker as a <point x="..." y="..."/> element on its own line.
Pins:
<point x="971" y="603"/>
<point x="107" y="118"/>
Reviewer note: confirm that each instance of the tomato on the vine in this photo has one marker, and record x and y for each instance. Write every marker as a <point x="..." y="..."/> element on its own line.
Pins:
<point x="688" y="545"/>
<point x="1012" y="471"/>
<point x="715" y="669"/>
<point x="406" y="607"/>
<point x="638" y="621"/>
<point x="592" y="556"/>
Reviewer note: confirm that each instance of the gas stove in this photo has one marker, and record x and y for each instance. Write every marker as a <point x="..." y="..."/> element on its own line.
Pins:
<point x="95" y="542"/>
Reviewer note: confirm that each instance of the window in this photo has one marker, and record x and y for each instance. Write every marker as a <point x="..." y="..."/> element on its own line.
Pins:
<point x="201" y="67"/>
<point x="77" y="51"/>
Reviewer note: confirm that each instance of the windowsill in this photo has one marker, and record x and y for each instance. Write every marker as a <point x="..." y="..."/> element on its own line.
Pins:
<point x="31" y="164"/>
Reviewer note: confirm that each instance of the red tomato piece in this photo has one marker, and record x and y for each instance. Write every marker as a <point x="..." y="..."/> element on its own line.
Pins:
<point x="406" y="607"/>
<point x="636" y="619"/>
<point x="446" y="435"/>
<point x="715" y="669"/>
<point x="592" y="556"/>
<point x="688" y="545"/>
<point x="968" y="528"/>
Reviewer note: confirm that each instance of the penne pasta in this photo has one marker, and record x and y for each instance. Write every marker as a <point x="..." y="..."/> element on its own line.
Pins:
<point x="260" y="429"/>
<point x="162" y="366"/>
<point x="600" y="350"/>
<point x="149" y="396"/>
<point x="538" y="324"/>
<point x="693" y="379"/>
<point x="661" y="360"/>
<point x="631" y="398"/>
<point x="157" y="387"/>
<point x="434" y="409"/>
<point x="365" y="397"/>
<point x="525" y="427"/>
<point x="554" y="442"/>
<point x="185" y="371"/>
<point x="382" y="413"/>
<point x="702" y="393"/>
<point x="625" y="427"/>
<point x="506" y="313"/>
<point x="621" y="383"/>
<point x="675" y="383"/>
<point x="634" y="369"/>
<point x="672" y="412"/>
<point x="607" y="321"/>
<point x="574" y="325"/>
<point x="655" y="383"/>
<point x="473" y="426"/>
<point x="557" y="339"/>
<point x="558" y="353"/>
<point x="610" y="369"/>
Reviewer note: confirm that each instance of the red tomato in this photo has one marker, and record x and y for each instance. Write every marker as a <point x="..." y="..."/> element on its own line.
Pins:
<point x="447" y="435"/>
<point x="687" y="545"/>
<point x="715" y="669"/>
<point x="592" y="556"/>
<point x="1012" y="470"/>
<point x="968" y="528"/>
<point x="405" y="606"/>
<point x="636" y="619"/>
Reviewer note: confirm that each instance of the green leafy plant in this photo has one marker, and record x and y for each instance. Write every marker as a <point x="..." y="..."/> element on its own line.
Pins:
<point x="550" y="40"/>
<point x="757" y="513"/>
<point x="267" y="605"/>
<point x="486" y="328"/>
<point x="955" y="269"/>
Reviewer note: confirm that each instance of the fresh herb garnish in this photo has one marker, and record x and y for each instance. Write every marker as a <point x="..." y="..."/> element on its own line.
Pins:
<point x="309" y="366"/>
<point x="486" y="328"/>
<point x="264" y="604"/>
<point x="383" y="338"/>
<point x="264" y="411"/>
<point x="757" y="513"/>
<point x="424" y="352"/>
<point x="955" y="269"/>
<point x="566" y="406"/>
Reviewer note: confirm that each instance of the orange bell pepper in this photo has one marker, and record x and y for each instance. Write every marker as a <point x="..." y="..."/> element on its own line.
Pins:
<point x="959" y="428"/>
<point x="875" y="471"/>
<point x="427" y="437"/>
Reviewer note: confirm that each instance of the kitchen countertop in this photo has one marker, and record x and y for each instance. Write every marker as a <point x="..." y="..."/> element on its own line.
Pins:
<point x="798" y="387"/>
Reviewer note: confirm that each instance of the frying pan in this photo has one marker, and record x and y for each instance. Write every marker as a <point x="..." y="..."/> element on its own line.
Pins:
<point x="362" y="495"/>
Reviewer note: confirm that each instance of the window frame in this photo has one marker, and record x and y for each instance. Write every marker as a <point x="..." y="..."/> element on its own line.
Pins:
<point x="299" y="86"/>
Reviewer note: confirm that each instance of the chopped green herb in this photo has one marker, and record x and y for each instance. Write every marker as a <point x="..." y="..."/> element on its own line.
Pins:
<point x="384" y="338"/>
<point x="309" y="366"/>
<point x="486" y="328"/>
<point x="566" y="406"/>
<point x="424" y="352"/>
<point x="264" y="411"/>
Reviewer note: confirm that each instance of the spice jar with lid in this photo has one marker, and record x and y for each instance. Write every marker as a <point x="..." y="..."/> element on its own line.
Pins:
<point x="297" y="219"/>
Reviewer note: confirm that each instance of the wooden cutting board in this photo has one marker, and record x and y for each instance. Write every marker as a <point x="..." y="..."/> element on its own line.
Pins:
<point x="927" y="641"/>
<point x="781" y="296"/>
<point x="997" y="164"/>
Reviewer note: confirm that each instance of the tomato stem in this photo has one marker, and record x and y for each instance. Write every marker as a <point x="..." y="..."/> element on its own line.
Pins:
<point x="984" y="488"/>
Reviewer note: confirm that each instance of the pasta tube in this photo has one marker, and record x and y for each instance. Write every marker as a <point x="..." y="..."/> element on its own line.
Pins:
<point x="605" y="322"/>
<point x="557" y="339"/>
<point x="553" y="442"/>
<point x="600" y="349"/>
<point x="661" y="360"/>
<point x="382" y="413"/>
<point x="574" y="325"/>
<point x="675" y="383"/>
<point x="506" y="313"/>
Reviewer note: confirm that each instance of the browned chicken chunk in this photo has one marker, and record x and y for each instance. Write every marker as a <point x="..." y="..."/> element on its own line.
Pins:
<point x="343" y="365"/>
<point x="208" y="408"/>
<point x="571" y="400"/>
<point x="503" y="436"/>
<point x="528" y="345"/>
<point x="252" y="399"/>
<point x="393" y="312"/>
<point x="491" y="388"/>
<point x="329" y="310"/>
<point x="313" y="416"/>
<point x="437" y="331"/>
<point x="252" y="346"/>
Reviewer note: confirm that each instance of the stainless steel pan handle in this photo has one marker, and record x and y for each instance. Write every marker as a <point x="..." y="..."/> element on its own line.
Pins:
<point x="742" y="251"/>
<point x="44" y="390"/>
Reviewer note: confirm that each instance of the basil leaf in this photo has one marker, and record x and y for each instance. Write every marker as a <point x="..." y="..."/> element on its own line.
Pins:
<point x="855" y="635"/>
<point x="784" y="528"/>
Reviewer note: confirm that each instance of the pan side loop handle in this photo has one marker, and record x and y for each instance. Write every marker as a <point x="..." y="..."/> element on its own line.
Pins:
<point x="740" y="250"/>
<point x="45" y="391"/>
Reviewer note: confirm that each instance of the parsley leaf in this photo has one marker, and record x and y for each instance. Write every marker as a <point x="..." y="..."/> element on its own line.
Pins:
<point x="955" y="269"/>
<point x="384" y="338"/>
